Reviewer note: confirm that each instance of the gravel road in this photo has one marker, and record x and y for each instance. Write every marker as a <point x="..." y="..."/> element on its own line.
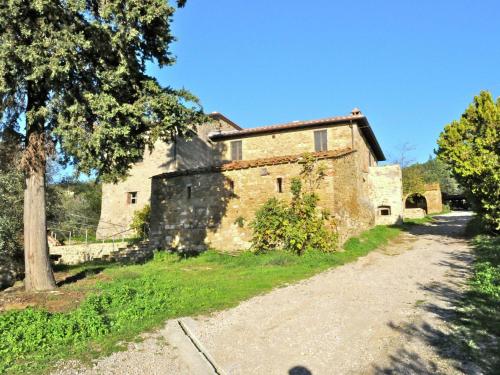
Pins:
<point x="386" y="313"/>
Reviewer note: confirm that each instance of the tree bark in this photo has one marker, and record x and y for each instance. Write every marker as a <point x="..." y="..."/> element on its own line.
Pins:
<point x="38" y="270"/>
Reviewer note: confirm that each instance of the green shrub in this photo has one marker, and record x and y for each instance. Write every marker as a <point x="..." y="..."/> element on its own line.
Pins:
<point x="240" y="221"/>
<point x="11" y="226"/>
<point x="486" y="278"/>
<point x="297" y="226"/>
<point x="477" y="322"/>
<point x="141" y="220"/>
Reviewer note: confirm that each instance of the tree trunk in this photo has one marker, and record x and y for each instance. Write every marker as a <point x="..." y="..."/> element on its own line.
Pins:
<point x="38" y="270"/>
<point x="39" y="276"/>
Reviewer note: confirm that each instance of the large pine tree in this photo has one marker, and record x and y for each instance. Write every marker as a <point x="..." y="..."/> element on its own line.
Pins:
<point x="73" y="81"/>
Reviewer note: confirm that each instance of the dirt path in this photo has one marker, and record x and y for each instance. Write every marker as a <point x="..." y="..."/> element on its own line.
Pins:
<point x="384" y="314"/>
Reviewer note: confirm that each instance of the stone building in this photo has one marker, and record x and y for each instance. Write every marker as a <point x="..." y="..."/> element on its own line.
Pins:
<point x="210" y="204"/>
<point x="121" y="200"/>
<point x="434" y="199"/>
<point x="417" y="205"/>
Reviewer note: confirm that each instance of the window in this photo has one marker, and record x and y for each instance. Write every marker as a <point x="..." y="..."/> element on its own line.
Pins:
<point x="231" y="186"/>
<point x="132" y="197"/>
<point x="279" y="185"/>
<point x="320" y="142"/>
<point x="236" y="150"/>
<point x="189" y="191"/>
<point x="384" y="210"/>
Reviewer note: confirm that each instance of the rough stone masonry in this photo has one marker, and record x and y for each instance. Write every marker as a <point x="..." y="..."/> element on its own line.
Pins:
<point x="210" y="206"/>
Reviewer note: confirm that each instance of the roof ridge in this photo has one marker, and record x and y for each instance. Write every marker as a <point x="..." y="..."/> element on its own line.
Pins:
<point x="294" y="124"/>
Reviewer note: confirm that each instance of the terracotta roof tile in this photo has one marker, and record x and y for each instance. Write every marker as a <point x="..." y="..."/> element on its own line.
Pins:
<point x="245" y="164"/>
<point x="275" y="160"/>
<point x="284" y="126"/>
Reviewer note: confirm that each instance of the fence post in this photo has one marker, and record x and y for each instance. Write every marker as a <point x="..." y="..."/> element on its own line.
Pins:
<point x="69" y="241"/>
<point x="86" y="236"/>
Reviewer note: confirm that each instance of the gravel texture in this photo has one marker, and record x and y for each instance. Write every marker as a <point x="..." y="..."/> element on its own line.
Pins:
<point x="386" y="313"/>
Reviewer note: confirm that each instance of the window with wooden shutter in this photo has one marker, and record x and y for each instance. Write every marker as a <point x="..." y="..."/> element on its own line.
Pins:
<point x="320" y="140"/>
<point x="236" y="150"/>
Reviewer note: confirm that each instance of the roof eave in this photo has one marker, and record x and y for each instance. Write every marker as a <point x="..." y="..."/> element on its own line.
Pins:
<point x="224" y="118"/>
<point x="372" y="140"/>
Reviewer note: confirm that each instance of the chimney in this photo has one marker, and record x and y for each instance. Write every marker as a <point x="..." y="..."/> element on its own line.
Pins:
<point x="356" y="112"/>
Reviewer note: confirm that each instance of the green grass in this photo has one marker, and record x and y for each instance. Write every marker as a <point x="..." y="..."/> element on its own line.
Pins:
<point x="478" y="318"/>
<point x="138" y="298"/>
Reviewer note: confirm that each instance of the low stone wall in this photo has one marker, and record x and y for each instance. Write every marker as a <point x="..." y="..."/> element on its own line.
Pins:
<point x="76" y="254"/>
<point x="414" y="213"/>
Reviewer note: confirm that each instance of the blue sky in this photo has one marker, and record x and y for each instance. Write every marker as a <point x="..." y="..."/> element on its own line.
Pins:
<point x="411" y="66"/>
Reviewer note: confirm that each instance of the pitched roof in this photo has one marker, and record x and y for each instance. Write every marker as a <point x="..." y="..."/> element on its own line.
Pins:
<point x="220" y="116"/>
<point x="358" y="118"/>
<point x="263" y="162"/>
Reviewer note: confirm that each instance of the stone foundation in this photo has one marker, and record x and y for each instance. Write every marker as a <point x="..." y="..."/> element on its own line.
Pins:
<point x="118" y="251"/>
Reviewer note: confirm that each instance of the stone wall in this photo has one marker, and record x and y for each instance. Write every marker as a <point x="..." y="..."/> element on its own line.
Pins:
<point x="198" y="210"/>
<point x="187" y="154"/>
<point x="433" y="197"/>
<point x="118" y="251"/>
<point x="387" y="194"/>
<point x="298" y="141"/>
<point x="77" y="254"/>
<point x="366" y="156"/>
<point x="117" y="212"/>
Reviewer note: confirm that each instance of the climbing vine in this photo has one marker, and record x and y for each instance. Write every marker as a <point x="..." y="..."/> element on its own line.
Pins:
<point x="299" y="225"/>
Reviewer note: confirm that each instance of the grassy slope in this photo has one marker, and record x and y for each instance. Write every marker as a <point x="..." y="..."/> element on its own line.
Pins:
<point x="478" y="317"/>
<point x="137" y="298"/>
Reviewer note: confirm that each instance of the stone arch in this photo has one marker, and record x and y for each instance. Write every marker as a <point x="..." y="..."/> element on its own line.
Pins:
<point x="416" y="200"/>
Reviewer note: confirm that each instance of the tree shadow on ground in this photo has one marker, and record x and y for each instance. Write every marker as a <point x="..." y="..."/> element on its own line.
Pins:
<point x="92" y="271"/>
<point x="441" y="225"/>
<point x="468" y="325"/>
